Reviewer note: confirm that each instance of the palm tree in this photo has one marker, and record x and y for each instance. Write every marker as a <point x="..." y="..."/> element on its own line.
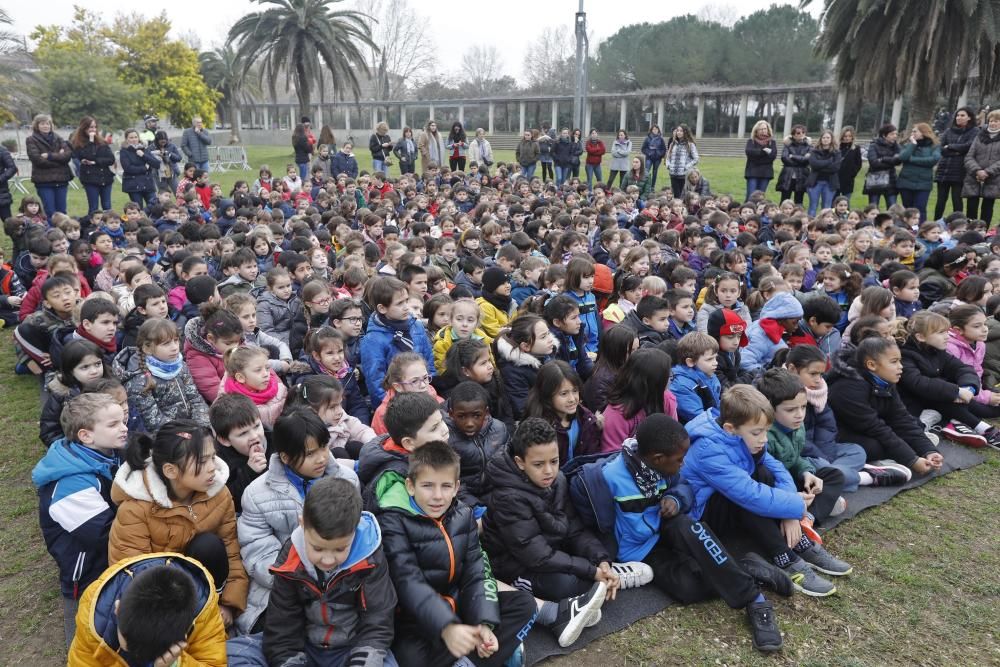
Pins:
<point x="303" y="38"/>
<point x="223" y="71"/>
<point x="15" y="79"/>
<point x="892" y="47"/>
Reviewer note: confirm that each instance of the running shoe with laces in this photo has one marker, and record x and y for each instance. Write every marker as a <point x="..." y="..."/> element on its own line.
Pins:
<point x="839" y="507"/>
<point x="821" y="560"/>
<point x="806" y="581"/>
<point x="764" y="626"/>
<point x="993" y="438"/>
<point x="806" y="523"/>
<point x="576" y="613"/>
<point x="767" y="574"/>
<point x="963" y="435"/>
<point x="633" y="574"/>
<point x="888" y="473"/>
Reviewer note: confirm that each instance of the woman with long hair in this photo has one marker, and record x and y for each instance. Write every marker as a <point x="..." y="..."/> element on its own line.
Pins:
<point x="981" y="179"/>
<point x="97" y="162"/>
<point x="303" y="147"/>
<point x="883" y="156"/>
<point x="682" y="158"/>
<point x="824" y="172"/>
<point x="170" y="160"/>
<point x="139" y="169"/>
<point x="457" y="145"/>
<point x="850" y="163"/>
<point x="637" y="176"/>
<point x="380" y="146"/>
<point x="916" y="178"/>
<point x="761" y="151"/>
<point x="955" y="144"/>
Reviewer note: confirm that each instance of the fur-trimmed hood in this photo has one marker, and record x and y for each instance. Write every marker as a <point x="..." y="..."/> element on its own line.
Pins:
<point x="516" y="355"/>
<point x="147" y="485"/>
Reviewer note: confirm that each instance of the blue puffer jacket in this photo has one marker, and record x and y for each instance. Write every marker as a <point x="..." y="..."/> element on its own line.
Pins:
<point x="718" y="461"/>
<point x="75" y="511"/>
<point x="377" y="350"/>
<point x="637" y="519"/>
<point x="695" y="391"/>
<point x="654" y="147"/>
<point x="588" y="316"/>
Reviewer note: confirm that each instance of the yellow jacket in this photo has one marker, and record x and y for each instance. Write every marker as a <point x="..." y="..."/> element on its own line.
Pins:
<point x="442" y="343"/>
<point x="492" y="319"/>
<point x="96" y="617"/>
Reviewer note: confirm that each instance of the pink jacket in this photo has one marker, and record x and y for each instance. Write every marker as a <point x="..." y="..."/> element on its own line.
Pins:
<point x="270" y="411"/>
<point x="962" y="350"/>
<point x="206" y="369"/>
<point x="617" y="429"/>
<point x="177" y="297"/>
<point x="349" y="429"/>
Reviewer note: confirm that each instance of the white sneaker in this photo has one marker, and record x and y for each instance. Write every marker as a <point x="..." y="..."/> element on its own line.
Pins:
<point x="597" y="619"/>
<point x="633" y="574"/>
<point x="933" y="437"/>
<point x="839" y="507"/>
<point x="930" y="418"/>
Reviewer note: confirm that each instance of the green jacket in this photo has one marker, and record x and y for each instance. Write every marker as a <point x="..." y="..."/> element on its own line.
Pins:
<point x="642" y="184"/>
<point x="787" y="447"/>
<point x="918" y="165"/>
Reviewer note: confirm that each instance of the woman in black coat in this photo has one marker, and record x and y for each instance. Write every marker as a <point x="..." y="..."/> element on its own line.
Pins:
<point x="883" y="156"/>
<point x="8" y="170"/>
<point x="170" y="158"/>
<point x="50" y="172"/>
<point x="139" y="168"/>
<point x="850" y="163"/>
<point x="955" y="143"/>
<point x="761" y="152"/>
<point x="97" y="162"/>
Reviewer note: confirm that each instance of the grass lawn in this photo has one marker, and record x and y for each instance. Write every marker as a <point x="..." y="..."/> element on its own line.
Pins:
<point x="924" y="590"/>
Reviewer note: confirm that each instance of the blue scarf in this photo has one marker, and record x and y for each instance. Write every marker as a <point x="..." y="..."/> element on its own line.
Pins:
<point x="298" y="482"/>
<point x="164" y="370"/>
<point x="879" y="382"/>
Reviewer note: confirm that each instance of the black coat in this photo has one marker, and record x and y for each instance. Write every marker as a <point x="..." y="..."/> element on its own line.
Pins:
<point x="573" y="350"/>
<point x="759" y="163"/>
<point x="474" y="453"/>
<point x="303" y="149"/>
<point x="8" y="170"/>
<point x="51" y="170"/>
<point x="438" y="568"/>
<point x="530" y="529"/>
<point x="795" y="166"/>
<point x="955" y="143"/>
<point x="850" y="165"/>
<point x="378" y="151"/>
<point x="100" y="173"/>
<point x="138" y="171"/>
<point x="931" y="376"/>
<point x="562" y="153"/>
<point x="824" y="163"/>
<point x="883" y="156"/>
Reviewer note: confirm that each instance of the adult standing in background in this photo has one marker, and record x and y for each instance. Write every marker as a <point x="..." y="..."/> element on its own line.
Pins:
<point x="8" y="170"/>
<point x="405" y="151"/>
<point x="148" y="134"/>
<point x="139" y="169"/>
<point x="682" y="157"/>
<point x="195" y="142"/>
<point x="170" y="158"/>
<point x="326" y="138"/>
<point x="380" y="146"/>
<point x="850" y="163"/>
<point x="982" y="170"/>
<point x="456" y="145"/>
<point x="574" y="168"/>
<point x="621" y="149"/>
<point x="595" y="153"/>
<point x="481" y="152"/>
<point x="562" y="155"/>
<point x="916" y="178"/>
<point x="97" y="161"/>
<point x="883" y="156"/>
<point x="762" y="151"/>
<point x="654" y="148"/>
<point x="955" y="143"/>
<point x="303" y="143"/>
<point x="431" y="146"/>
<point x="546" y="142"/>
<point x="50" y="172"/>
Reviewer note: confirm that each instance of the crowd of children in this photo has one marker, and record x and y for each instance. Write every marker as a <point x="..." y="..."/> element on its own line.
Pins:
<point x="409" y="421"/>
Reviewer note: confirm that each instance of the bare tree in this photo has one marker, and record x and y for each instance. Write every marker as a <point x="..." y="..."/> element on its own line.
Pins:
<point x="726" y="15"/>
<point x="550" y="61"/>
<point x="406" y="56"/>
<point x="480" y="66"/>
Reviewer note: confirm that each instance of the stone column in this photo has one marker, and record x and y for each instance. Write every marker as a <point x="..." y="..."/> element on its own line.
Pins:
<point x="741" y="125"/>
<point x="267" y="117"/>
<point x="588" y="119"/>
<point x="318" y="119"/>
<point x="492" y="111"/>
<point x="347" y="120"/>
<point x="623" y="114"/>
<point x="521" y="110"/>
<point x="897" y="110"/>
<point x="402" y="117"/>
<point x="555" y="114"/>
<point x="461" y="114"/>
<point x="838" y="115"/>
<point x="963" y="98"/>
<point x="430" y="112"/>
<point x="291" y="116"/>
<point x="789" y="111"/>
<point x="699" y="127"/>
<point x="238" y="121"/>
<point x="661" y="111"/>
<point x="374" y="117"/>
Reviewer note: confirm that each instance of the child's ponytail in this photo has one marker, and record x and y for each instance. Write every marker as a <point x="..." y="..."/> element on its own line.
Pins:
<point x="137" y="451"/>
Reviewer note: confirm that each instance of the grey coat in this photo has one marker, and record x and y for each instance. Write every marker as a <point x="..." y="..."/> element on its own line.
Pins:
<point x="983" y="154"/>
<point x="271" y="509"/>
<point x="276" y="317"/>
<point x="620" y="153"/>
<point x="195" y="144"/>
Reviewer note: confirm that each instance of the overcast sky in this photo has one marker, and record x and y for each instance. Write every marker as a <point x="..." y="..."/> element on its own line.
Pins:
<point x="509" y="24"/>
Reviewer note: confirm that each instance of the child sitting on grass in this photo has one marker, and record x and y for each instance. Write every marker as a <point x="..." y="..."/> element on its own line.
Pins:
<point x="743" y="492"/>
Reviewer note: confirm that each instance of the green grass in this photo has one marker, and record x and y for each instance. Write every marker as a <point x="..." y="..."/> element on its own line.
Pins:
<point x="924" y="590"/>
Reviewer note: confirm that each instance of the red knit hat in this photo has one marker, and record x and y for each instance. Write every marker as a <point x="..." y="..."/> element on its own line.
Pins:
<point x="725" y="322"/>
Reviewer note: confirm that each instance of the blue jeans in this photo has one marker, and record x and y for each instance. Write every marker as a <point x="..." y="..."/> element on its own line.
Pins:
<point x="529" y="171"/>
<point x="53" y="196"/>
<point x="379" y="165"/>
<point x="593" y="170"/>
<point x="755" y="184"/>
<point x="98" y="197"/>
<point x="248" y="651"/>
<point x="562" y="173"/>
<point x="821" y="194"/>
<point x="916" y="199"/>
<point x="143" y="199"/>
<point x="652" y="168"/>
<point x="303" y="170"/>
<point x="846" y="457"/>
<point x="889" y="199"/>
<point x="204" y="166"/>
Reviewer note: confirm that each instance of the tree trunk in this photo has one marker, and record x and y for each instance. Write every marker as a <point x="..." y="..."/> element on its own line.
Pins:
<point x="922" y="109"/>
<point x="234" y="130"/>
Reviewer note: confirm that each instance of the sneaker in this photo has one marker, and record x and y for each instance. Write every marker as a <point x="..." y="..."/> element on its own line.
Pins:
<point x="767" y="574"/>
<point x="807" y="529"/>
<point x="963" y="435"/>
<point x="933" y="436"/>
<point x="577" y="612"/>
<point x="821" y="560"/>
<point x="806" y="581"/>
<point x="993" y="438"/>
<point x="888" y="475"/>
<point x="633" y="574"/>
<point x="839" y="507"/>
<point x="930" y="418"/>
<point x="597" y="619"/>
<point x="763" y="627"/>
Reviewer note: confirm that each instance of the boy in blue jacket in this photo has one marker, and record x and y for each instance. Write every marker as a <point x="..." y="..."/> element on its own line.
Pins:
<point x="74" y="494"/>
<point x="745" y="493"/>
<point x="693" y="380"/>
<point x="688" y="562"/>
<point x="391" y="330"/>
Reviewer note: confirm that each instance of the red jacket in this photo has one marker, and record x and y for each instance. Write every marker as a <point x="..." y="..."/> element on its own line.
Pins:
<point x="595" y="151"/>
<point x="33" y="299"/>
<point x="206" y="369"/>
